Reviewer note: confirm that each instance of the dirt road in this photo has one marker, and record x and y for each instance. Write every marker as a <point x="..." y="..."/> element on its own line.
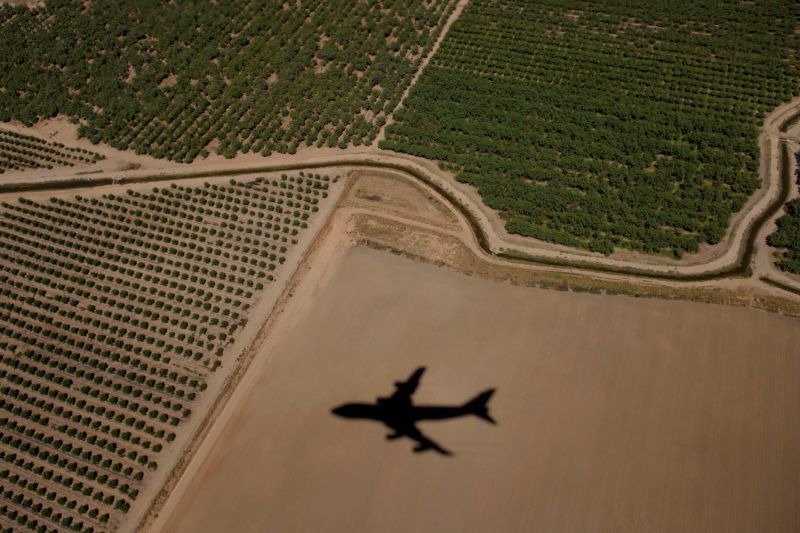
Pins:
<point x="722" y="256"/>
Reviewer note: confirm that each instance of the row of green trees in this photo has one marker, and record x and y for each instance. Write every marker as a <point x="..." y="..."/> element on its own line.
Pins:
<point x="605" y="125"/>
<point x="787" y="237"/>
<point x="114" y="310"/>
<point x="177" y="80"/>
<point x="19" y="151"/>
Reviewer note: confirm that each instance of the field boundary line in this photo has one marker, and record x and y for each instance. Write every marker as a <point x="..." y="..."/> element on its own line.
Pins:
<point x="489" y="241"/>
<point x="232" y="381"/>
<point x="455" y="13"/>
<point x="740" y="267"/>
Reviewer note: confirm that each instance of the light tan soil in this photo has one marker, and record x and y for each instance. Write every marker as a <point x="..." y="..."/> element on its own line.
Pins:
<point x="395" y="212"/>
<point x="391" y="192"/>
<point x="615" y="414"/>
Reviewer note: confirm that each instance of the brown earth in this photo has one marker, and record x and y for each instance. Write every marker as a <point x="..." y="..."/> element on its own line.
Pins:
<point x="390" y="192"/>
<point x="615" y="414"/>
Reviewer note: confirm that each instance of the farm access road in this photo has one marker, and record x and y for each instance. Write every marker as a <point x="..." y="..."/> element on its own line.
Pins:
<point x="732" y="258"/>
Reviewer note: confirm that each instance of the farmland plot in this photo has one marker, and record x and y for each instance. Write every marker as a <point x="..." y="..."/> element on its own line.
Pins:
<point x="114" y="311"/>
<point x="21" y="152"/>
<point x="613" y="413"/>
<point x="605" y="125"/>
<point x="179" y="80"/>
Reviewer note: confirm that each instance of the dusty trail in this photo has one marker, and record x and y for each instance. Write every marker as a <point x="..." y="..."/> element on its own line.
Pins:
<point x="424" y="63"/>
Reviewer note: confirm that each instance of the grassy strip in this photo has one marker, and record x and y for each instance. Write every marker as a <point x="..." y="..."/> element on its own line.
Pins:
<point x="77" y="183"/>
<point x="780" y="285"/>
<point x="791" y="121"/>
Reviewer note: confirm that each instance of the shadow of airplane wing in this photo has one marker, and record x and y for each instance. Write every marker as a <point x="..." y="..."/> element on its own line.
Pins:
<point x="405" y="389"/>
<point x="423" y="442"/>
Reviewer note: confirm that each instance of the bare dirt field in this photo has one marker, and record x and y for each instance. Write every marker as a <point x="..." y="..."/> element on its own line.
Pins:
<point x="614" y="413"/>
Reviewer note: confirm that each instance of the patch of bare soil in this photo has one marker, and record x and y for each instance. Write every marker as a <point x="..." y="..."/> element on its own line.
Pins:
<point x="390" y="192"/>
<point x="615" y="414"/>
<point x="444" y="249"/>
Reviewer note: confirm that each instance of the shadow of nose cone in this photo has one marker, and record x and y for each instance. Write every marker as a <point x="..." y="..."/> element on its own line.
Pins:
<point x="352" y="410"/>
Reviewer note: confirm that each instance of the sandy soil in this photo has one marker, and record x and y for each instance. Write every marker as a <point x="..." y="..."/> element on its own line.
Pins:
<point x="649" y="416"/>
<point x="391" y="192"/>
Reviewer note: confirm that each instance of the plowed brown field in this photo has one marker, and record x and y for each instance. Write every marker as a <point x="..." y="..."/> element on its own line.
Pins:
<point x="615" y="414"/>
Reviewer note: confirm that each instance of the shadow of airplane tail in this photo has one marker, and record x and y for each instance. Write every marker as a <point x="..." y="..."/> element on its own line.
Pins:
<point x="478" y="406"/>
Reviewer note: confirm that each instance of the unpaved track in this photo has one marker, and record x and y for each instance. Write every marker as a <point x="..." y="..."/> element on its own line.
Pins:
<point x="460" y="6"/>
<point x="615" y="414"/>
<point x="483" y="216"/>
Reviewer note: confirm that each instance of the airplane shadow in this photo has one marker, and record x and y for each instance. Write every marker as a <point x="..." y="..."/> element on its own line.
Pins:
<point x="399" y="413"/>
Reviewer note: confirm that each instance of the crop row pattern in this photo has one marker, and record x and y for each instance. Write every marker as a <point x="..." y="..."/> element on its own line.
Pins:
<point x="114" y="309"/>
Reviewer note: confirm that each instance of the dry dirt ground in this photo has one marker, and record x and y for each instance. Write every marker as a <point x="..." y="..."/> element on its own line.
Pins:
<point x="615" y="414"/>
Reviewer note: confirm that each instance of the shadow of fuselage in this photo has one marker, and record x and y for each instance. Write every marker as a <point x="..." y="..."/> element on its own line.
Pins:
<point x="398" y="412"/>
